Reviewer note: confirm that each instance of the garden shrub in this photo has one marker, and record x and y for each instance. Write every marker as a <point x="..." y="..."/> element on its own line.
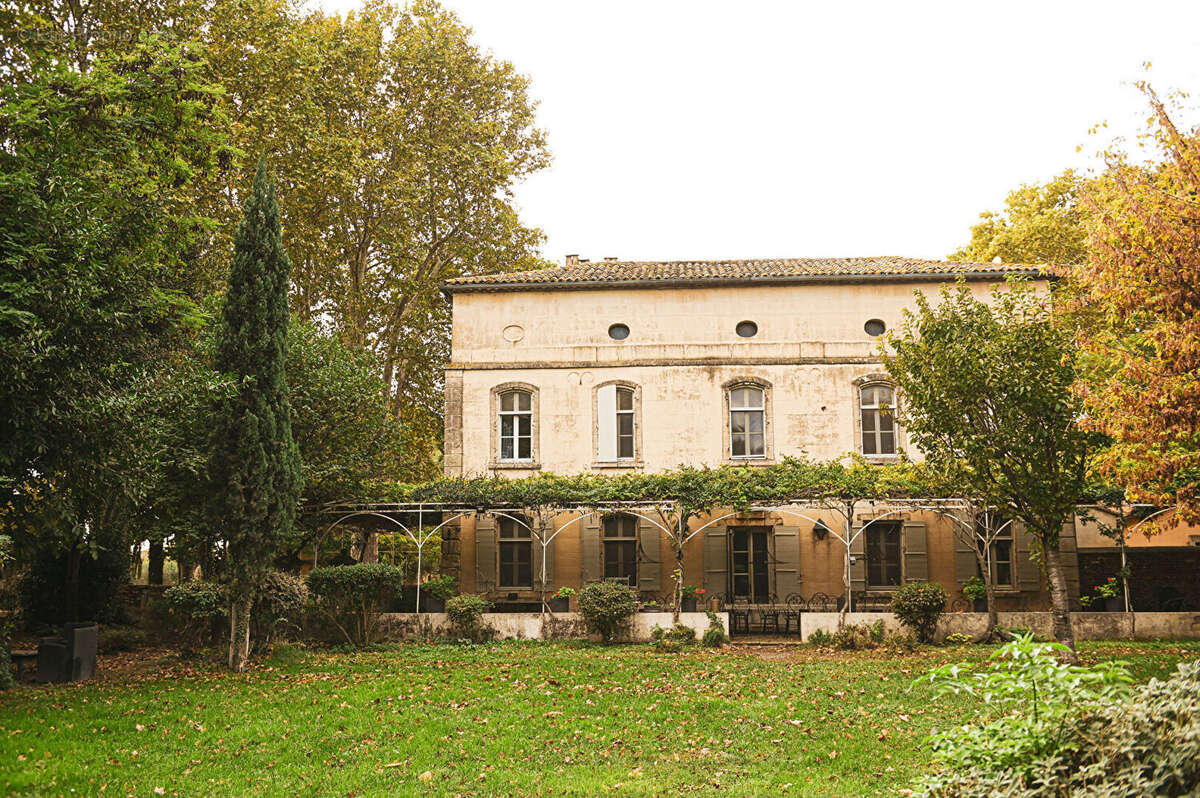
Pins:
<point x="1036" y="740"/>
<point x="191" y="615"/>
<point x="859" y="636"/>
<point x="352" y="597"/>
<point x="714" y="635"/>
<point x="101" y="577"/>
<point x="442" y="587"/>
<point x="278" y="609"/>
<point x="919" y="605"/>
<point x="465" y="614"/>
<point x="675" y="639"/>
<point x="114" y="639"/>
<point x="958" y="639"/>
<point x="820" y="638"/>
<point x="607" y="607"/>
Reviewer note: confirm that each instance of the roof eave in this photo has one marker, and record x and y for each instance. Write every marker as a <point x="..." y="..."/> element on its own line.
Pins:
<point x="699" y="282"/>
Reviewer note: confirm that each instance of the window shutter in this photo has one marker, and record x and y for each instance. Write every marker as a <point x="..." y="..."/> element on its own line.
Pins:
<point x="716" y="562"/>
<point x="649" y="557"/>
<point x="606" y="423"/>
<point x="485" y="553"/>
<point x="1029" y="573"/>
<point x="1068" y="548"/>
<point x="916" y="554"/>
<point x="965" y="564"/>
<point x="590" y="564"/>
<point x="787" y="561"/>
<point x="858" y="550"/>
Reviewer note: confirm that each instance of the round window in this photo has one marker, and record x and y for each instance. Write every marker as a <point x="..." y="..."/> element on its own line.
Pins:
<point x="875" y="327"/>
<point x="747" y="329"/>
<point x="618" y="332"/>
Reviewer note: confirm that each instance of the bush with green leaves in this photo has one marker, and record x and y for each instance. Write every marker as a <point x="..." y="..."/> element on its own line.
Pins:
<point x="1038" y="702"/>
<point x="443" y="586"/>
<point x="465" y="614"/>
<point x="958" y="639"/>
<point x="675" y="639"/>
<point x="919" y="605"/>
<point x="820" y="638"/>
<point x="607" y="607"/>
<point x="714" y="635"/>
<point x="279" y="604"/>
<point x="352" y="597"/>
<point x="191" y="615"/>
<point x="859" y="636"/>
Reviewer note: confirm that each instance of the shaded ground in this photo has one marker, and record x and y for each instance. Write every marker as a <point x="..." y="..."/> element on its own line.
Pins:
<point x="508" y="718"/>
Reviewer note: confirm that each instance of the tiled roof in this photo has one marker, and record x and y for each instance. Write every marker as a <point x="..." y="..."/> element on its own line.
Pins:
<point x="601" y="272"/>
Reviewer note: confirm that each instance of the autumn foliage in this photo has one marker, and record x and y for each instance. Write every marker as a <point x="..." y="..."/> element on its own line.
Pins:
<point x="1141" y="305"/>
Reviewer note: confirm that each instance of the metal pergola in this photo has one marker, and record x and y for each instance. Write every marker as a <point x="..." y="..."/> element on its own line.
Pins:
<point x="677" y="530"/>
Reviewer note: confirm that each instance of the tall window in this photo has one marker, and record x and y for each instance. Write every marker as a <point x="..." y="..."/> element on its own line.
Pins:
<point x="516" y="425"/>
<point x="620" y="549"/>
<point x="883" y="554"/>
<point x="878" y="425"/>
<point x="516" y="554"/>
<point x="1003" y="572"/>
<point x="616" y="412"/>
<point x="747" y="417"/>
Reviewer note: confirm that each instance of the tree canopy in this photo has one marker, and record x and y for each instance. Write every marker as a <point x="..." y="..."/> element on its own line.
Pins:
<point x="1040" y="223"/>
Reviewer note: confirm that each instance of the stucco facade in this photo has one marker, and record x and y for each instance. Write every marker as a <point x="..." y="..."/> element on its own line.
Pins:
<point x="683" y="353"/>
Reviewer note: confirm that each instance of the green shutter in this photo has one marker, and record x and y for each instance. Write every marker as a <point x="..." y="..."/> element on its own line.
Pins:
<point x="716" y="562"/>
<point x="787" y="561"/>
<point x="1029" y="573"/>
<point x="486" y="575"/>
<point x="858" y="550"/>
<point x="649" y="557"/>
<point x="916" y="552"/>
<point x="590" y="563"/>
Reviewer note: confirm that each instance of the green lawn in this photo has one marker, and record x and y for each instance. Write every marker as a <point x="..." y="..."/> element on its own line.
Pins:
<point x="502" y="719"/>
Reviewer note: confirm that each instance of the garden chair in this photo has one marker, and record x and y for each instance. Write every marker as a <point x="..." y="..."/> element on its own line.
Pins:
<point x="793" y="606"/>
<point x="768" y="615"/>
<point x="739" y="615"/>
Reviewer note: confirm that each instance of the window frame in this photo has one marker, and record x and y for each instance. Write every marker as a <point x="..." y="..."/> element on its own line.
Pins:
<point x="1006" y="533"/>
<point x="624" y="541"/>
<point x="520" y="538"/>
<point x="635" y="391"/>
<point x="898" y="438"/>
<point x="876" y="528"/>
<point x="533" y="462"/>
<point x="764" y="388"/>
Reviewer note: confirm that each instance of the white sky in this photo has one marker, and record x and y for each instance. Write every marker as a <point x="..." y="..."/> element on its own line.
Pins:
<point x="793" y="129"/>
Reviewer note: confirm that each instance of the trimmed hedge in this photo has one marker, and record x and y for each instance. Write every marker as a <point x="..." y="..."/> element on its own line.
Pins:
<point x="353" y="596"/>
<point x="607" y="607"/>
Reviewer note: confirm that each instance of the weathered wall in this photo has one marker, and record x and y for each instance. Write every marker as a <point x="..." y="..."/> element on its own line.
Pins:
<point x="1086" y="625"/>
<point x="682" y="349"/>
<point x="536" y="626"/>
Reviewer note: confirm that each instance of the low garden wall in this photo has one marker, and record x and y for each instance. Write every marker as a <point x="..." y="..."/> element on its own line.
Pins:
<point x="536" y="626"/>
<point x="569" y="625"/>
<point x="1087" y="625"/>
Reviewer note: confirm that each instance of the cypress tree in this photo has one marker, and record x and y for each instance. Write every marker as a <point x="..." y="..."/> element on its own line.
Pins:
<point x="254" y="465"/>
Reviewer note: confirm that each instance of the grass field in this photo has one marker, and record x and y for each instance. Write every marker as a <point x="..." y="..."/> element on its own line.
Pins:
<point x="501" y="719"/>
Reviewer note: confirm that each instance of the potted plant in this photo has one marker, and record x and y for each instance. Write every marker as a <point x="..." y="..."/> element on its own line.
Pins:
<point x="650" y="606"/>
<point x="1106" y="598"/>
<point x="561" y="602"/>
<point x="435" y="591"/>
<point x="692" y="595"/>
<point x="976" y="592"/>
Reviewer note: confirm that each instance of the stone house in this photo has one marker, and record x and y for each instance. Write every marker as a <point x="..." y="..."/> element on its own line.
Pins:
<point x="614" y="366"/>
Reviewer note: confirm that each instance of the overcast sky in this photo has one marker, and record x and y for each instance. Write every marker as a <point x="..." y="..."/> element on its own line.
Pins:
<point x="705" y="130"/>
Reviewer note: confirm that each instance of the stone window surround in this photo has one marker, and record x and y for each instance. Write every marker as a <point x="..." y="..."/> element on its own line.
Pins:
<point x="638" y="461"/>
<point x="494" y="462"/>
<point x="877" y="378"/>
<point x="768" y="456"/>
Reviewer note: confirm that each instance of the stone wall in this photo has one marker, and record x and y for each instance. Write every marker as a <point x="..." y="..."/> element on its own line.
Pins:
<point x="535" y="626"/>
<point x="1086" y="625"/>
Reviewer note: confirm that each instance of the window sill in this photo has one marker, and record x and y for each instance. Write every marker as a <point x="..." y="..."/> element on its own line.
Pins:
<point x="750" y="461"/>
<point x="517" y="465"/>
<point x="881" y="458"/>
<point x="629" y="464"/>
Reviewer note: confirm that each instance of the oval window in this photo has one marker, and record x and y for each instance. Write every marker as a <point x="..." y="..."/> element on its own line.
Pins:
<point x="875" y="327"/>
<point x="618" y="332"/>
<point x="747" y="329"/>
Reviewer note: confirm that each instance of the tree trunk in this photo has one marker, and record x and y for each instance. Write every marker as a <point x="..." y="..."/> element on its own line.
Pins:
<point x="1060" y="609"/>
<point x="239" y="634"/>
<point x="993" y="616"/>
<point x="156" y="557"/>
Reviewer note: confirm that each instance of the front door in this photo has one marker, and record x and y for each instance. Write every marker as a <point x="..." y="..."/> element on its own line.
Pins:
<point x="749" y="563"/>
